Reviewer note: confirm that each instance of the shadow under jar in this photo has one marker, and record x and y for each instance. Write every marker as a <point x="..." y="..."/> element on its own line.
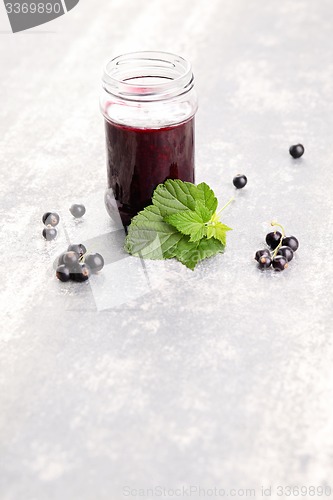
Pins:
<point x="148" y="102"/>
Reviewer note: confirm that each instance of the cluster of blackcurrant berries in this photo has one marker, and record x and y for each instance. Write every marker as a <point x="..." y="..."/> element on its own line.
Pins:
<point x="51" y="220"/>
<point x="77" y="265"/>
<point x="281" y="250"/>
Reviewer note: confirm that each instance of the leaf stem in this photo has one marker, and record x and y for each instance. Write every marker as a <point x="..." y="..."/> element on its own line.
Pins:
<point x="225" y="206"/>
<point x="274" y="223"/>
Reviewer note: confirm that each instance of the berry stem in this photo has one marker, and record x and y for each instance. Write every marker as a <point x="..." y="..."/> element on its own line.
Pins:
<point x="273" y="223"/>
<point x="225" y="206"/>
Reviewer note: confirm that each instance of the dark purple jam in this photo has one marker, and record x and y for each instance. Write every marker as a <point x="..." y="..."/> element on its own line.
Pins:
<point x="138" y="159"/>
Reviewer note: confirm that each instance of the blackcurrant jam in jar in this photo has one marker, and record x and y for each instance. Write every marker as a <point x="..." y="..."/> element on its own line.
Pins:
<point x="148" y="102"/>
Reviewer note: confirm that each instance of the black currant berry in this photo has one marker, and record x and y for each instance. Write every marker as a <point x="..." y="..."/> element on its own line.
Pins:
<point x="296" y="151"/>
<point x="239" y="181"/>
<point x="286" y="252"/>
<point x="49" y="233"/>
<point x="280" y="263"/>
<point x="77" y="210"/>
<point x="78" y="248"/>
<point x="265" y="261"/>
<point x="291" y="241"/>
<point x="260" y="253"/>
<point x="61" y="258"/>
<point x="80" y="273"/>
<point x="63" y="273"/>
<point x="95" y="262"/>
<point x="70" y="259"/>
<point x="273" y="239"/>
<point x="51" y="219"/>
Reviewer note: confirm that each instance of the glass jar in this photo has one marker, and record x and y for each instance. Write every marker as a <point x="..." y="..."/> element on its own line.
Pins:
<point x="148" y="102"/>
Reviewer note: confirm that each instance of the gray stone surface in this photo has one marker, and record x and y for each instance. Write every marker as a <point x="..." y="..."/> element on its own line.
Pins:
<point x="156" y="375"/>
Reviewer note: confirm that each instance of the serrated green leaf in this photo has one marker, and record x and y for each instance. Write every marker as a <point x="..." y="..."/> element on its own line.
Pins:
<point x="207" y="196"/>
<point x="190" y="253"/>
<point x="150" y="237"/>
<point x="218" y="231"/>
<point x="203" y="211"/>
<point x="175" y="196"/>
<point x="181" y="223"/>
<point x="191" y="222"/>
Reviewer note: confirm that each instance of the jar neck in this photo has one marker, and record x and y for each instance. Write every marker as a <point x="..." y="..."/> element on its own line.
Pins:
<point x="148" y="76"/>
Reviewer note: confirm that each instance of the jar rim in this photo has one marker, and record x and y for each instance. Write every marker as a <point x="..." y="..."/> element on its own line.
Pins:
<point x="133" y="76"/>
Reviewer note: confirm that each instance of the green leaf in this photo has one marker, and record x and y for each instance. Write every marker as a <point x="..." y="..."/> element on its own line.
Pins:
<point x="175" y="196"/>
<point x="150" y="237"/>
<point x="203" y="211"/>
<point x="190" y="253"/>
<point x="218" y="231"/>
<point x="182" y="222"/>
<point x="191" y="222"/>
<point x="207" y="196"/>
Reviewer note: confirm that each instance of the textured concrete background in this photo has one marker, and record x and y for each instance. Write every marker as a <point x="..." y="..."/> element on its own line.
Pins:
<point x="157" y="375"/>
